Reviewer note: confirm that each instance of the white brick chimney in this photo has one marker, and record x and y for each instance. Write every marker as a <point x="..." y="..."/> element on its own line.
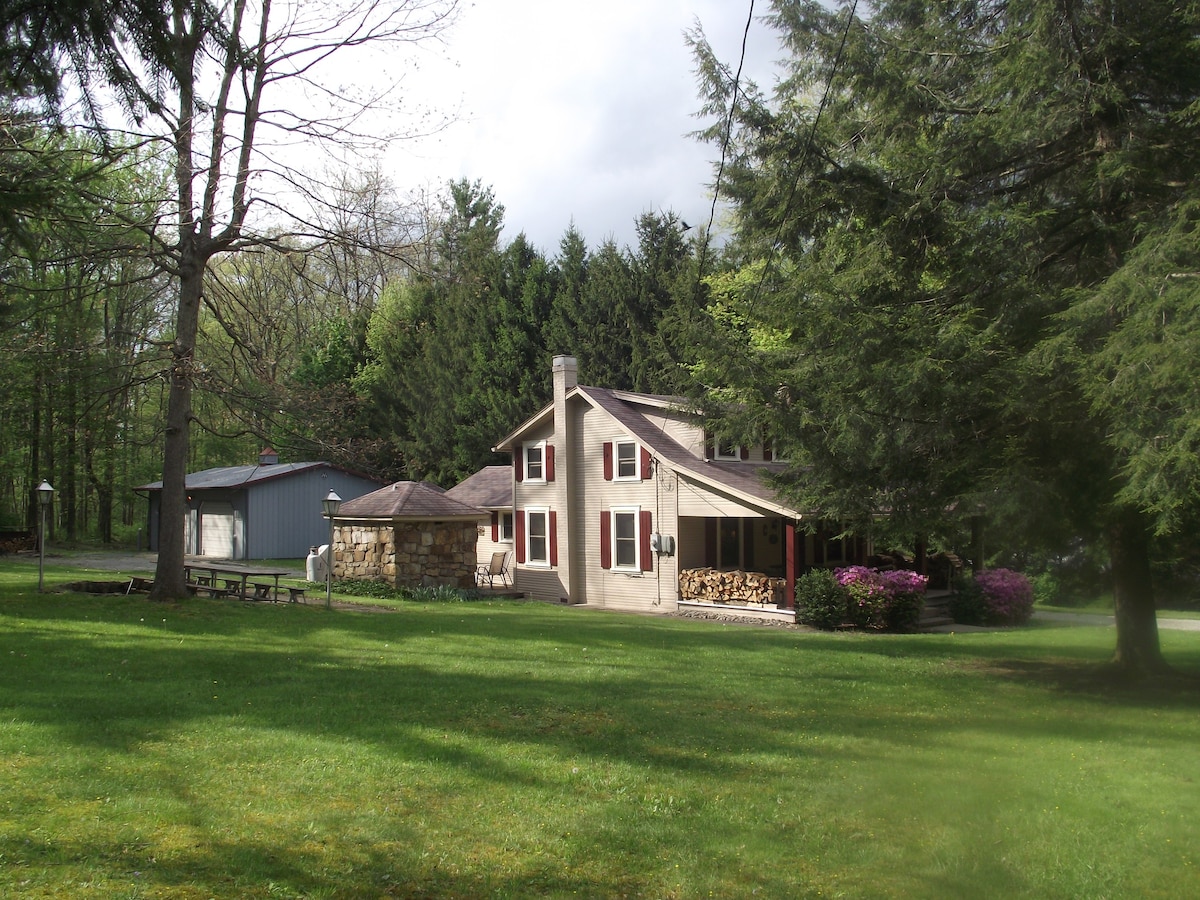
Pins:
<point x="566" y="377"/>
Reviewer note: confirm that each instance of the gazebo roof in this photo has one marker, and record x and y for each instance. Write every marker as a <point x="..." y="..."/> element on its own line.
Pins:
<point x="408" y="500"/>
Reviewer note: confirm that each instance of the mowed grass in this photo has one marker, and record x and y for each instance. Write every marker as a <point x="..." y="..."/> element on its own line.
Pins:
<point x="508" y="749"/>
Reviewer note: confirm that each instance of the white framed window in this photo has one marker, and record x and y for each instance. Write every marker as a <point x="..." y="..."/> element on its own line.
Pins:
<point x="537" y="537"/>
<point x="727" y="450"/>
<point x="626" y="538"/>
<point x="535" y="461"/>
<point x="626" y="464"/>
<point x="506" y="527"/>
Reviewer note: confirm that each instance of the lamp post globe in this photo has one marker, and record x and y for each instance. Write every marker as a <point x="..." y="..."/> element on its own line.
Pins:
<point x="329" y="508"/>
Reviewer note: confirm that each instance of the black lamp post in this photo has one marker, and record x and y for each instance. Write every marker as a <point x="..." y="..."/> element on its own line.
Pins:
<point x="329" y="508"/>
<point x="45" y="497"/>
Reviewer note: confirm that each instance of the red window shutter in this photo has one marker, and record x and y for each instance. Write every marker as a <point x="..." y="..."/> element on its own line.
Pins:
<point x="768" y="450"/>
<point x="744" y="451"/>
<point x="519" y="463"/>
<point x="644" y="553"/>
<point x="553" y="526"/>
<point x="549" y="462"/>
<point x="519" y="527"/>
<point x="606" y="540"/>
<point x="708" y="450"/>
<point x="646" y="466"/>
<point x="608" y="461"/>
<point x="495" y="526"/>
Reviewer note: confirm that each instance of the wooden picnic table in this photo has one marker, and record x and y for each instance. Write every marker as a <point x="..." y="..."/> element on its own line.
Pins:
<point x="235" y="577"/>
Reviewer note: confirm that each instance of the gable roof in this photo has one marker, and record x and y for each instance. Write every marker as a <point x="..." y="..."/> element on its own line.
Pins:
<point x="489" y="488"/>
<point x="408" y="500"/>
<point x="744" y="481"/>
<point x="242" y="476"/>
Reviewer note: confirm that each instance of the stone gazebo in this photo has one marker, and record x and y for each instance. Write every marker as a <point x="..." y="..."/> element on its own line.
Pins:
<point x="409" y="534"/>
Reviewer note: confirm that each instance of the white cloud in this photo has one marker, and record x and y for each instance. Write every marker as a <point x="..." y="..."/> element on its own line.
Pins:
<point x="577" y="110"/>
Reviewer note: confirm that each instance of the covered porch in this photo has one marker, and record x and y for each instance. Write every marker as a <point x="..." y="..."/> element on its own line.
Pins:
<point x="753" y="561"/>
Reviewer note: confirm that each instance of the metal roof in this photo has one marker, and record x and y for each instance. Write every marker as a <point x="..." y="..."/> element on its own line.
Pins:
<point x="226" y="477"/>
<point x="408" y="500"/>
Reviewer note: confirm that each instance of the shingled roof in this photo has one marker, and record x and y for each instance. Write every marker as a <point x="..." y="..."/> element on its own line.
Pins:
<point x="408" y="500"/>
<point x="489" y="488"/>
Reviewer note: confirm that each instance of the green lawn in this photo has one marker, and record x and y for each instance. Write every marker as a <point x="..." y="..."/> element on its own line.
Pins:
<point x="505" y="749"/>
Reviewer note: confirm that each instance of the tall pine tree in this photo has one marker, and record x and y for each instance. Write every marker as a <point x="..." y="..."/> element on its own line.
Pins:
<point x="932" y="189"/>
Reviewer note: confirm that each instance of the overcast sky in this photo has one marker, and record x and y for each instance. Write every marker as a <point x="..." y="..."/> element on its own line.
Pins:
<point x="578" y="110"/>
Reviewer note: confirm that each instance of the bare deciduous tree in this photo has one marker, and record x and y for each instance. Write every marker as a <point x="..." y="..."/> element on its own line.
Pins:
<point x="251" y="89"/>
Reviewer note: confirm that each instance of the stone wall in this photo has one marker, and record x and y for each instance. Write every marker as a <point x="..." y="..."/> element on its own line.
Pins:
<point x="406" y="554"/>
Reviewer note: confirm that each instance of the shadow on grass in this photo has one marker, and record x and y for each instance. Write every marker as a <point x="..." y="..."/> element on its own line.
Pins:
<point x="664" y="692"/>
<point x="402" y="866"/>
<point x="1175" y="689"/>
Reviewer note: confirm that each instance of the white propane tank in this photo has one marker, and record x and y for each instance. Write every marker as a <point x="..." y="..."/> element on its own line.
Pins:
<point x="314" y="565"/>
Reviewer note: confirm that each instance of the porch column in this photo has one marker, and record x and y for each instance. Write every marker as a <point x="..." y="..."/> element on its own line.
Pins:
<point x="793" y="560"/>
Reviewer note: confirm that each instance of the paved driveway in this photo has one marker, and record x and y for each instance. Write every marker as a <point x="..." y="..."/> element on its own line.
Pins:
<point x="1067" y="618"/>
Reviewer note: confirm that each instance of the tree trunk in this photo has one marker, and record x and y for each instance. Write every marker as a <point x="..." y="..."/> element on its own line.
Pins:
<point x="168" y="574"/>
<point x="978" y="531"/>
<point x="1138" y="651"/>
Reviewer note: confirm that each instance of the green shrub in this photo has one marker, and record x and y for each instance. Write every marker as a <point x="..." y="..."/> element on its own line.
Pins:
<point x="967" y="606"/>
<point x="381" y="590"/>
<point x="1046" y="589"/>
<point x="439" y="593"/>
<point x="820" y="601"/>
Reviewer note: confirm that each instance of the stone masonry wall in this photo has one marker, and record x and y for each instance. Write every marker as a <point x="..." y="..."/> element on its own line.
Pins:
<point x="406" y="554"/>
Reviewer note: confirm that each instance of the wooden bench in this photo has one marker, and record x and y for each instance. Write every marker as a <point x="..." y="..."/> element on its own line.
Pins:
<point x="295" y="595"/>
<point x="262" y="591"/>
<point x="210" y="589"/>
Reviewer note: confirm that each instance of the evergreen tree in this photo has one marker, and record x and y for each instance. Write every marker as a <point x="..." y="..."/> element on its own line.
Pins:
<point x="931" y="191"/>
<point x="457" y="356"/>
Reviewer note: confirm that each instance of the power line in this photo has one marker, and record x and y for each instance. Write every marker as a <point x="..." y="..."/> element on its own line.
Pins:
<point x="727" y="139"/>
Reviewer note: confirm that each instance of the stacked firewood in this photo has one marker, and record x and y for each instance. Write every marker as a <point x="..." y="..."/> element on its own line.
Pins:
<point x="17" y="541"/>
<point x="715" y="586"/>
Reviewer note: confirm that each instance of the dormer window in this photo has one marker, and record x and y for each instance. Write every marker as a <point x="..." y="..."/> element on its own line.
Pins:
<point x="728" y="450"/>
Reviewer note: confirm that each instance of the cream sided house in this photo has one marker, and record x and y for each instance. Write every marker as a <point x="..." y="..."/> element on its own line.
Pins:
<point x="619" y="501"/>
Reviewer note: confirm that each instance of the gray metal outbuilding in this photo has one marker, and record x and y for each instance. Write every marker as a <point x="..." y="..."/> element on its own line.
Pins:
<point x="271" y="510"/>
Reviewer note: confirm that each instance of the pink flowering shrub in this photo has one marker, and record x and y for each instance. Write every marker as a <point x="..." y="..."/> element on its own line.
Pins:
<point x="994" y="597"/>
<point x="882" y="601"/>
<point x="1008" y="596"/>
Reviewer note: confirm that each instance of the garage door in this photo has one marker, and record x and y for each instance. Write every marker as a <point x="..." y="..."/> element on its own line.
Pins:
<point x="216" y="530"/>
